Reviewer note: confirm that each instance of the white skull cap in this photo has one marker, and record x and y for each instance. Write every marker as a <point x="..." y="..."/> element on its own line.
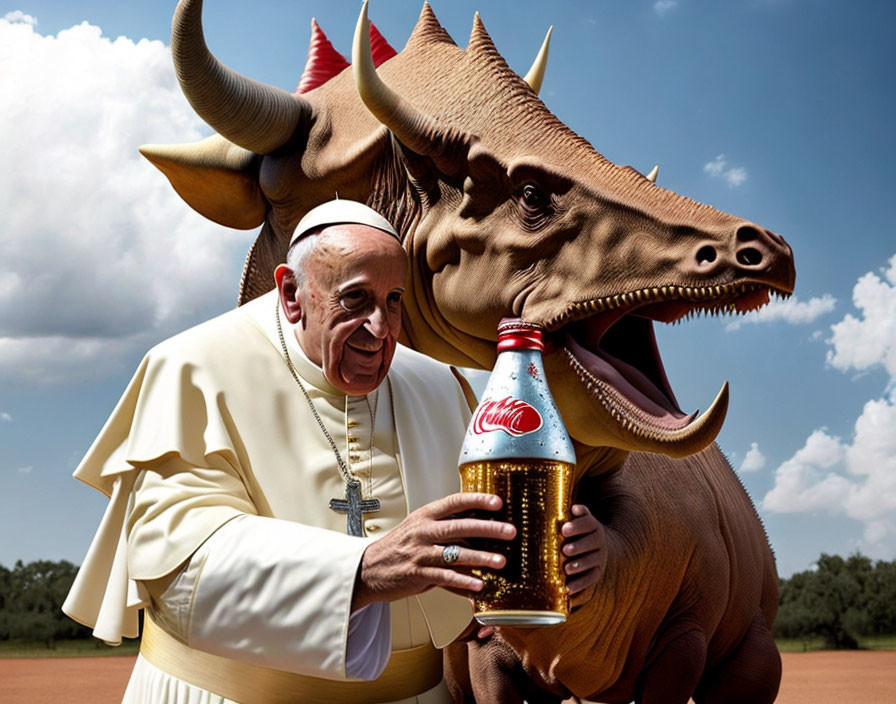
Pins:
<point x="339" y="212"/>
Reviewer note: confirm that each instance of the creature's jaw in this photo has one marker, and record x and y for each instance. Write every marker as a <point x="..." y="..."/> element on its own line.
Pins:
<point x="608" y="346"/>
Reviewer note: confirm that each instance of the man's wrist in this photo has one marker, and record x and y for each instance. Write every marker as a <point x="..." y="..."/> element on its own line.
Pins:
<point x="361" y="595"/>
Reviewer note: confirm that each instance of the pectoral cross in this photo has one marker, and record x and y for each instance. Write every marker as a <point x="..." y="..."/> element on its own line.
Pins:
<point x="354" y="506"/>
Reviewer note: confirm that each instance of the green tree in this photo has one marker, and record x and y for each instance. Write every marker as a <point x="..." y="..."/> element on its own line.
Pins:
<point x="840" y="600"/>
<point x="31" y="602"/>
<point x="882" y="599"/>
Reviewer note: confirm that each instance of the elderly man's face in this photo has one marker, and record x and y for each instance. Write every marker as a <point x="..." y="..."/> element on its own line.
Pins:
<point x="349" y="309"/>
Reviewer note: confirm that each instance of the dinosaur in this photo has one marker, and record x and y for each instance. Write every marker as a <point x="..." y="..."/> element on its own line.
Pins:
<point x="505" y="211"/>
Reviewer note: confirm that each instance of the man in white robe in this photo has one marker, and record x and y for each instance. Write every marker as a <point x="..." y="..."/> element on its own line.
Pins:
<point x="221" y="478"/>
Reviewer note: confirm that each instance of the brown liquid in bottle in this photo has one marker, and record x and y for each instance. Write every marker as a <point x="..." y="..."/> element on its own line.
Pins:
<point x="536" y="496"/>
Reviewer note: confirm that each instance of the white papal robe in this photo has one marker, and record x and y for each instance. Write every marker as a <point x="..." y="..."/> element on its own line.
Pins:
<point x="213" y="430"/>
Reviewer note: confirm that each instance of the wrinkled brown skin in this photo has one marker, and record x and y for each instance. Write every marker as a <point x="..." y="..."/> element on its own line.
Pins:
<point x="690" y="590"/>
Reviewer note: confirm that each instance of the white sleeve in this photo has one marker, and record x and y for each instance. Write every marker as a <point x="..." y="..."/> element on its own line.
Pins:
<point x="278" y="594"/>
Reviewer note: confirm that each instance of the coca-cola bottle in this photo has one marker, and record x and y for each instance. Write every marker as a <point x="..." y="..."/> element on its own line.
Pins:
<point x="517" y="447"/>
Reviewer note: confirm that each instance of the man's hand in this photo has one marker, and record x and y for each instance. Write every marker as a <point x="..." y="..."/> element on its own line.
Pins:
<point x="585" y="549"/>
<point x="409" y="561"/>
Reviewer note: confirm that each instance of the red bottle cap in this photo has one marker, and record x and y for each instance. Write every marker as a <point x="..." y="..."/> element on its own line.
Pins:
<point x="517" y="334"/>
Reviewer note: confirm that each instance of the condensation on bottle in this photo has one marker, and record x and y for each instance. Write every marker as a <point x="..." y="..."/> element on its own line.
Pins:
<point x="517" y="447"/>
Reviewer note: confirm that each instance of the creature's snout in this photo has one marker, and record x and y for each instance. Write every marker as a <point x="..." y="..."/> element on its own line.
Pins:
<point x="750" y="251"/>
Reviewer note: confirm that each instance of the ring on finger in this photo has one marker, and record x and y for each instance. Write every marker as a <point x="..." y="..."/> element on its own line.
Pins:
<point x="450" y="554"/>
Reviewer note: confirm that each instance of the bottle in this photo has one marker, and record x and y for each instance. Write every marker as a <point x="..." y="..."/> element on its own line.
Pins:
<point x="517" y="447"/>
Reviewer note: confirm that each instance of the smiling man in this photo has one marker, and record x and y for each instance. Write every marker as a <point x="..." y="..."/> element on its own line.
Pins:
<point x="283" y="484"/>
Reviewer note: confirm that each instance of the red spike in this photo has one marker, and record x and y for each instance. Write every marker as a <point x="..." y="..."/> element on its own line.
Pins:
<point x="324" y="61"/>
<point x="379" y="47"/>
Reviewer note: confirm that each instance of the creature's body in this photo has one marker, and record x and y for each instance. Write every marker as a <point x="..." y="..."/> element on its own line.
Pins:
<point x="505" y="211"/>
<point x="687" y="598"/>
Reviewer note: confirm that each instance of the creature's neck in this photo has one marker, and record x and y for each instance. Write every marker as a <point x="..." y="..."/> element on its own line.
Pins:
<point x="595" y="461"/>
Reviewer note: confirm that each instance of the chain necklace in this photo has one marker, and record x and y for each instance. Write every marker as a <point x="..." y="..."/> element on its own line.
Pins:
<point x="352" y="505"/>
<point x="372" y="412"/>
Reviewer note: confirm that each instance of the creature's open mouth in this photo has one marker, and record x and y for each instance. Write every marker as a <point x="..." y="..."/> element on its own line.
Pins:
<point x="611" y="346"/>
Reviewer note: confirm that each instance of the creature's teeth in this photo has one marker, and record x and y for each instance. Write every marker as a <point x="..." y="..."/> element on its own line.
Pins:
<point x="639" y="295"/>
<point x="617" y="300"/>
<point x="665" y="290"/>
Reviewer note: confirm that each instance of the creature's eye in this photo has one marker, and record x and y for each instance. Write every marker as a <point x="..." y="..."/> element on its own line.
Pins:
<point x="394" y="298"/>
<point x="533" y="197"/>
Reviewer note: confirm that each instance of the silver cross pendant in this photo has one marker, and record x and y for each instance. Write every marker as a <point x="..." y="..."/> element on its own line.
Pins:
<point x="353" y="506"/>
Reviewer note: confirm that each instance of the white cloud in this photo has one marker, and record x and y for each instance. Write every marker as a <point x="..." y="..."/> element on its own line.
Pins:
<point x="6" y="417"/>
<point x="864" y="342"/>
<point x="25" y="470"/>
<point x="98" y="256"/>
<point x="715" y="167"/>
<point x="754" y="460"/>
<point x="802" y="484"/>
<point x="791" y="310"/>
<point x="855" y="478"/>
<point x="734" y="176"/>
<point x="661" y="7"/>
<point x="19" y="17"/>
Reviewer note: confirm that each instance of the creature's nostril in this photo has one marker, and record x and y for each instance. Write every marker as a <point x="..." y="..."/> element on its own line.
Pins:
<point x="706" y="254"/>
<point x="747" y="233"/>
<point x="749" y="256"/>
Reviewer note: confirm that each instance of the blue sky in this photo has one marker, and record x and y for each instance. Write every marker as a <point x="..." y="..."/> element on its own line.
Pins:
<point x="776" y="110"/>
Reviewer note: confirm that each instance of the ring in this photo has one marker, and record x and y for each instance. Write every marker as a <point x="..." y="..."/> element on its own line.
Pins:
<point x="450" y="554"/>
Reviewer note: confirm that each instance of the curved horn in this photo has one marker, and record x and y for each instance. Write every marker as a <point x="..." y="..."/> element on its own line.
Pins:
<point x="416" y="130"/>
<point x="253" y="115"/>
<point x="535" y="77"/>
<point x="654" y="172"/>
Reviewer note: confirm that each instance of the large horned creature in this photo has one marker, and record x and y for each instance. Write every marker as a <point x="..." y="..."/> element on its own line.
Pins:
<point x="504" y="211"/>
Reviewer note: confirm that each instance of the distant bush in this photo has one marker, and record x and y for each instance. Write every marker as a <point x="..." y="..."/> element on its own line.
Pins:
<point x="840" y="601"/>
<point x="31" y="597"/>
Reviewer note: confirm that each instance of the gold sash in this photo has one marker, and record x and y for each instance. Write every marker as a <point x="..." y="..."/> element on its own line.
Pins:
<point x="409" y="673"/>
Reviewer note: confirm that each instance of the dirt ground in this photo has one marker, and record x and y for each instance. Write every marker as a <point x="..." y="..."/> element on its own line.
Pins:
<point x="809" y="678"/>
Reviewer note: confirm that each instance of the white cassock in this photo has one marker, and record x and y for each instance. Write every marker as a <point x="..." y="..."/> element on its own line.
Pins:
<point x="219" y="522"/>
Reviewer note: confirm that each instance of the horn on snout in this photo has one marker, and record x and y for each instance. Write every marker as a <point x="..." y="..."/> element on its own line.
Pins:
<point x="535" y="77"/>
<point x="253" y="115"/>
<point x="416" y="130"/>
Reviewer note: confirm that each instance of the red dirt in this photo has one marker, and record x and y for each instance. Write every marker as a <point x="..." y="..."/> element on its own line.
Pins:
<point x="71" y="680"/>
<point x="809" y="678"/>
<point x="864" y="677"/>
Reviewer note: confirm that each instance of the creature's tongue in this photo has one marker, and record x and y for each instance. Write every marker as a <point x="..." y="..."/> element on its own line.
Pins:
<point x="631" y="383"/>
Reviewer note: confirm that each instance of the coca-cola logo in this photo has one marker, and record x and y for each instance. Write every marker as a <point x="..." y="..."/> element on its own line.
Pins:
<point x="513" y="416"/>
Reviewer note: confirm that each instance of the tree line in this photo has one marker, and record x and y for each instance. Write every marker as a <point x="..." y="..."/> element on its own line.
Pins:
<point x="31" y="597"/>
<point x="840" y="600"/>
